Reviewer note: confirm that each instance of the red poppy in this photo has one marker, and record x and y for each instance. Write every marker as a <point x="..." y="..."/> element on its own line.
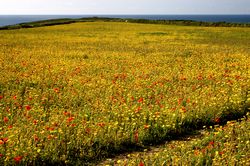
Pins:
<point x="173" y="109"/>
<point x="1" y="155"/>
<point x="237" y="77"/>
<point x="27" y="107"/>
<point x="10" y="127"/>
<point x="211" y="143"/>
<point x="36" y="138"/>
<point x="180" y="101"/>
<point x="50" y="128"/>
<point x="18" y="159"/>
<point x="138" y="109"/>
<point x="66" y="113"/>
<point x="203" y="151"/>
<point x="87" y="130"/>
<point x="50" y="136"/>
<point x="196" y="152"/>
<point x="183" y="78"/>
<point x="73" y="125"/>
<point x="5" y="140"/>
<point x="184" y="109"/>
<point x="140" y="100"/>
<point x="193" y="88"/>
<point x="230" y="82"/>
<point x="14" y="97"/>
<point x="136" y="136"/>
<point x="56" y="90"/>
<point x="35" y="122"/>
<point x="1" y="97"/>
<point x="141" y="164"/>
<point x="157" y="101"/>
<point x="101" y="124"/>
<point x="70" y="119"/>
<point x="217" y="120"/>
<point x="5" y="119"/>
<point x="221" y="153"/>
<point x="200" y="77"/>
<point x="210" y="77"/>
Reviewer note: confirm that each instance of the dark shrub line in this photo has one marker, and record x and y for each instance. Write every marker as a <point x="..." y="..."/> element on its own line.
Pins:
<point x="143" y="21"/>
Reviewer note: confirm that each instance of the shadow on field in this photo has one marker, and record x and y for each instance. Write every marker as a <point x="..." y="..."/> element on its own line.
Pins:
<point x="189" y="129"/>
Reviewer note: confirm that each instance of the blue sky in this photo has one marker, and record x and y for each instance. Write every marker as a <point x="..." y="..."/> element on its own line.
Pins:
<point x="125" y="7"/>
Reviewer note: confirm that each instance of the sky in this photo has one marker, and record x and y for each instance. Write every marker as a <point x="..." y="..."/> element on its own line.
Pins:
<point x="124" y="7"/>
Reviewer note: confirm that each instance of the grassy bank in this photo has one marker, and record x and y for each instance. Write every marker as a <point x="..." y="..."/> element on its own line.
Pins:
<point x="74" y="94"/>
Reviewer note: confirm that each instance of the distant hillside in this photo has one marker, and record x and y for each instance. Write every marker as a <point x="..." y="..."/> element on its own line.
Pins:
<point x="52" y="22"/>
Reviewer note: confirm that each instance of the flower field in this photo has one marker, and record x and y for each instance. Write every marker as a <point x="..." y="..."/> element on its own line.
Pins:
<point x="76" y="94"/>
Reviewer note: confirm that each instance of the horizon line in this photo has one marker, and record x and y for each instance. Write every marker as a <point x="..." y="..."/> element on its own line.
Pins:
<point x="130" y="14"/>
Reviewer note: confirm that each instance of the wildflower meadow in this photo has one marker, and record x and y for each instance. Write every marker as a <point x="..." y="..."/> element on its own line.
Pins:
<point x="80" y="93"/>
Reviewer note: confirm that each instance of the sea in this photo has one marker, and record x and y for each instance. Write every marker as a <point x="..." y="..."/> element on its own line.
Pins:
<point x="16" y="19"/>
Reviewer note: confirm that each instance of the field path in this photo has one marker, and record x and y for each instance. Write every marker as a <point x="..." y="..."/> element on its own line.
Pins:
<point x="209" y="143"/>
<point x="151" y="150"/>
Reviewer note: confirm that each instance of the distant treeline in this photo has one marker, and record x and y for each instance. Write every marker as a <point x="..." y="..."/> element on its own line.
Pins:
<point x="189" y="23"/>
<point x="143" y="21"/>
<point x="39" y="24"/>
